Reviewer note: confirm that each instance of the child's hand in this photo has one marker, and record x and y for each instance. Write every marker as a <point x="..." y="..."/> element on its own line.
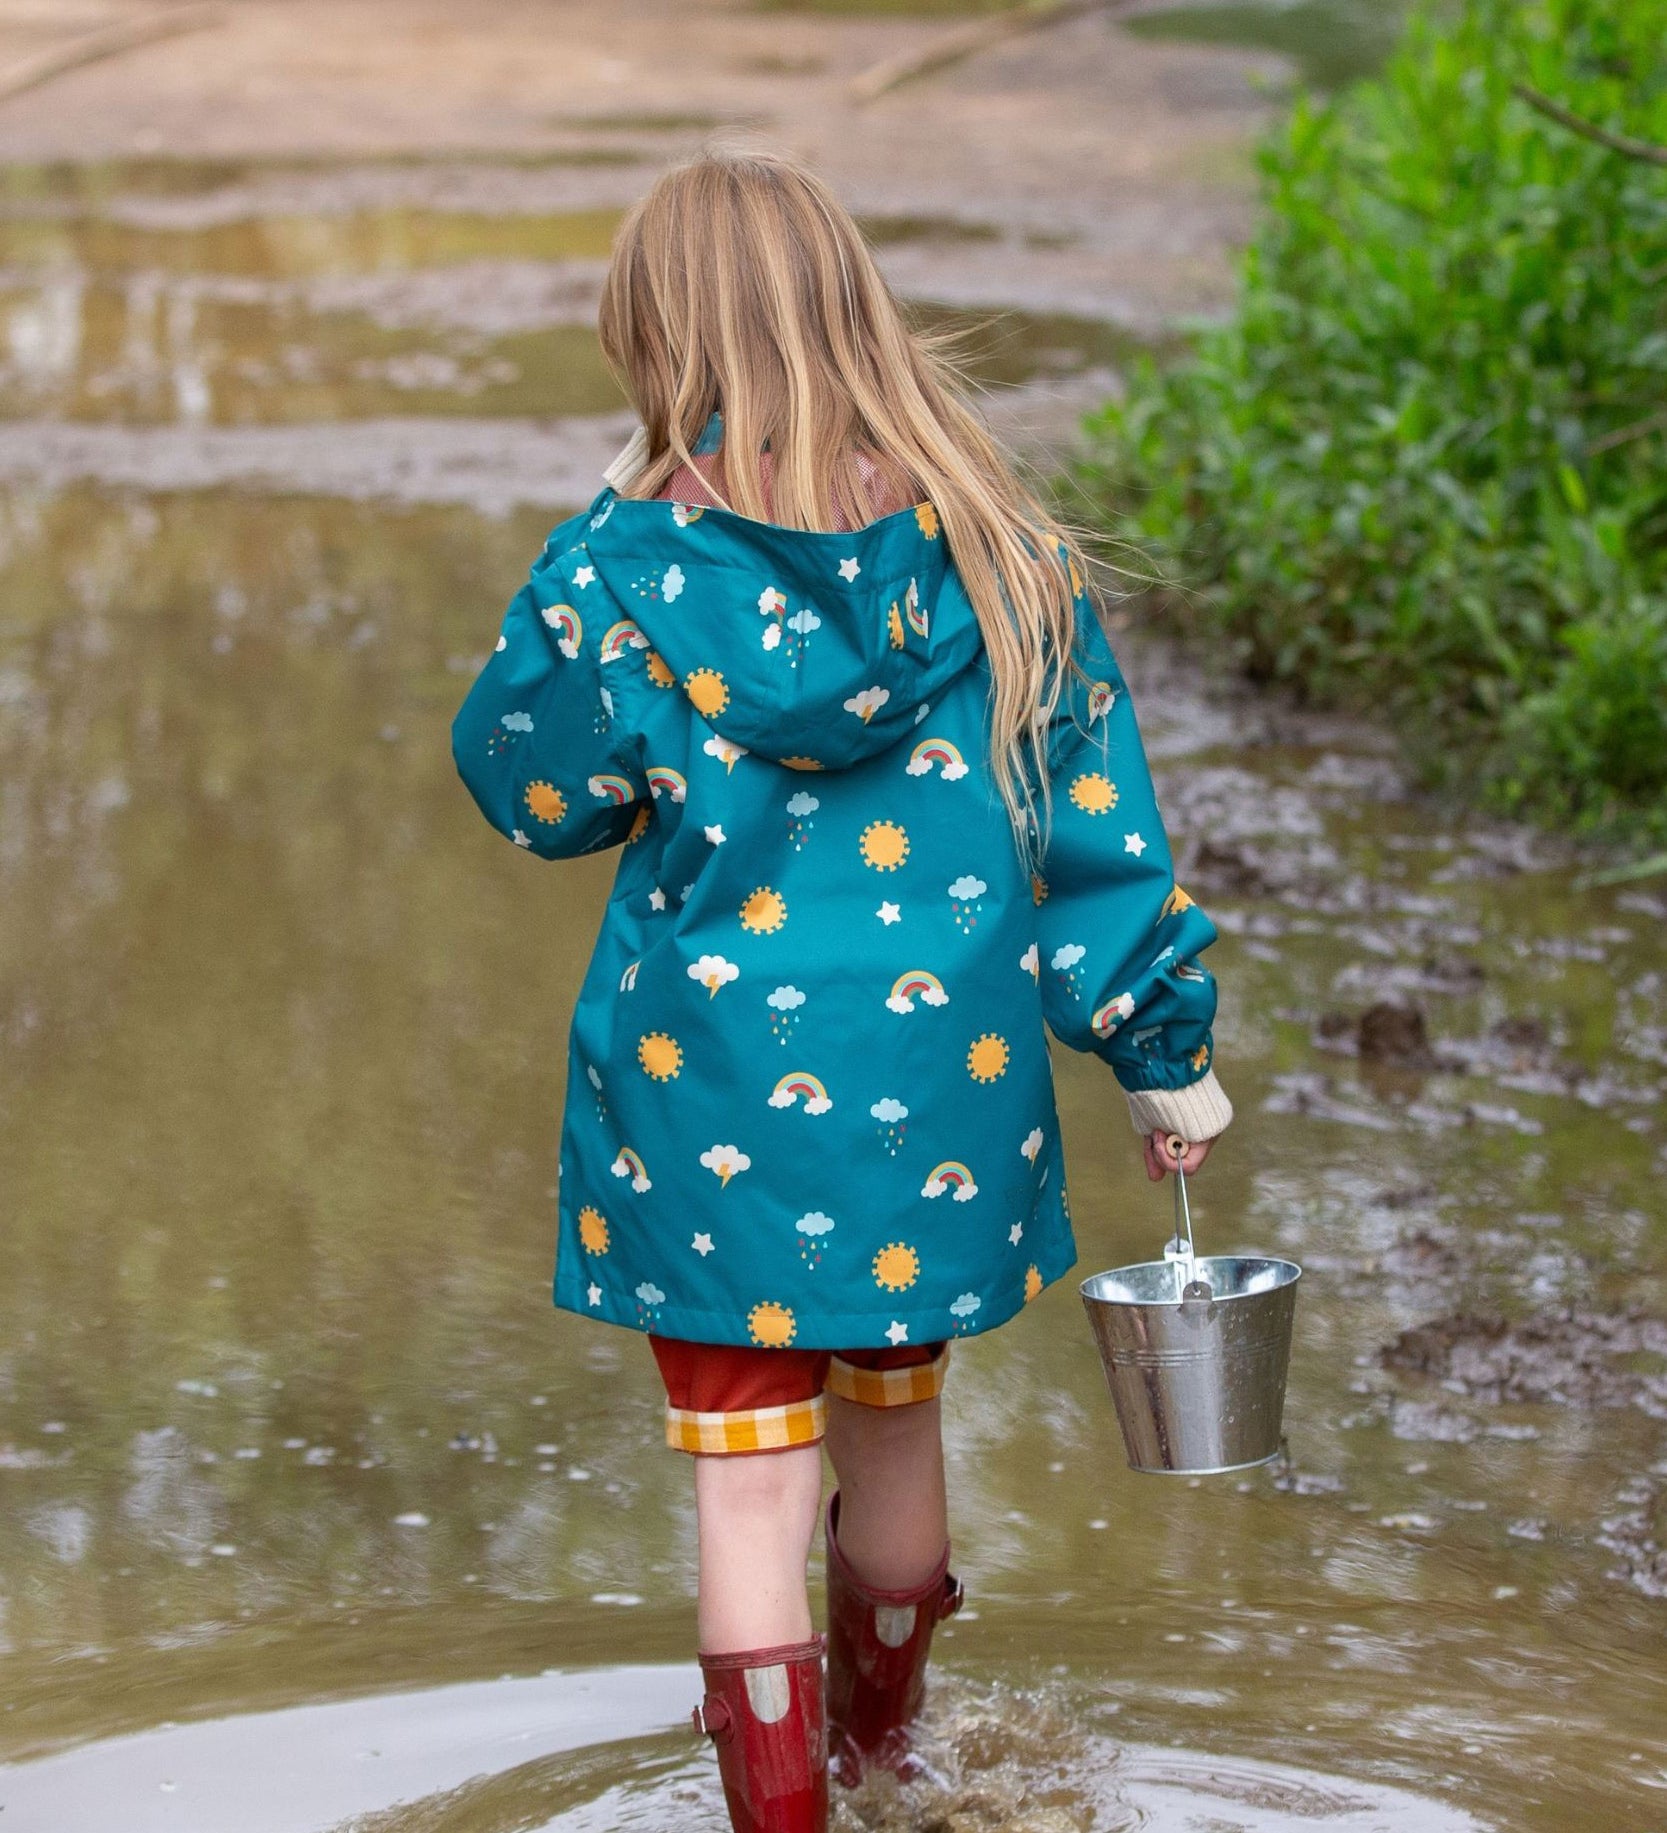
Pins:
<point x="1160" y="1156"/>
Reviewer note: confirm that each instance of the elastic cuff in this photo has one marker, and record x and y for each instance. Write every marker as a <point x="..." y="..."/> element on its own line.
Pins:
<point x="800" y="1422"/>
<point x="889" y="1387"/>
<point x="1199" y="1111"/>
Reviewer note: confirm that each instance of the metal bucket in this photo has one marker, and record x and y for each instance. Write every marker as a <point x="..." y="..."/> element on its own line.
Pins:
<point x="1195" y="1353"/>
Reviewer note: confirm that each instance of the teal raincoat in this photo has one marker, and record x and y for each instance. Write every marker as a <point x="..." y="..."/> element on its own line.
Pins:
<point x="809" y="1097"/>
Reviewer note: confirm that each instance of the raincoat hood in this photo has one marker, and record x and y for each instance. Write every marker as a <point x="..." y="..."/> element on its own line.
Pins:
<point x="818" y="650"/>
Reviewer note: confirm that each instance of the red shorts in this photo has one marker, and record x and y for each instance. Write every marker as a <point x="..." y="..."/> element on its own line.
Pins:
<point x="723" y="1398"/>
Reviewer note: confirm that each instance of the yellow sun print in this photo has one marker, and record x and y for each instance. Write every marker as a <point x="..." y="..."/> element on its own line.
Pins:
<point x="802" y="763"/>
<point x="660" y="1055"/>
<point x="545" y="802"/>
<point x="705" y="687"/>
<point x="639" y="823"/>
<point x="927" y="517"/>
<point x="884" y="845"/>
<point x="773" y="1326"/>
<point x="1094" y="794"/>
<point x="896" y="1266"/>
<point x="894" y="625"/>
<point x="987" y="1059"/>
<point x="1033" y="1283"/>
<point x="658" y="672"/>
<point x="593" y="1230"/>
<point x="764" y="911"/>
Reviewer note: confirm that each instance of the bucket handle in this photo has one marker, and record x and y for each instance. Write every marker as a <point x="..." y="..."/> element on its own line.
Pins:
<point x="1177" y="1147"/>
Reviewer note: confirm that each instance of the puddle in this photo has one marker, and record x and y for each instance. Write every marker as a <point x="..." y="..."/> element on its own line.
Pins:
<point x="1330" y="42"/>
<point x="247" y="318"/>
<point x="286" y="1422"/>
<point x="611" y="1747"/>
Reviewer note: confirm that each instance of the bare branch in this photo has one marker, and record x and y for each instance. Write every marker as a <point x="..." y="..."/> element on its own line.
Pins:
<point x="951" y="48"/>
<point x="1624" y="144"/>
<point x="1624" y="435"/>
<point x="103" y="42"/>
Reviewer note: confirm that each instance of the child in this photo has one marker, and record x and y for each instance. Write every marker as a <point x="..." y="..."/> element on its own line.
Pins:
<point x="828" y="675"/>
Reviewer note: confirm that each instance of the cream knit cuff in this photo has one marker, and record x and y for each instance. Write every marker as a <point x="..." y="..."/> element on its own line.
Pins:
<point x="629" y="462"/>
<point x="1199" y="1111"/>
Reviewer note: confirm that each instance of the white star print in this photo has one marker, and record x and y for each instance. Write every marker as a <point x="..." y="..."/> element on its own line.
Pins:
<point x="1016" y="1233"/>
<point x="898" y="1333"/>
<point x="849" y="569"/>
<point x="594" y="1295"/>
<point x="520" y="839"/>
<point x="656" y="899"/>
<point x="583" y="575"/>
<point x="889" y="914"/>
<point x="716" y="834"/>
<point x="1132" y="843"/>
<point x="702" y="1244"/>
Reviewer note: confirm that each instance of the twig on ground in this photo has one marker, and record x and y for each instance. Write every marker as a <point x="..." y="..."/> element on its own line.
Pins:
<point x="1624" y="144"/>
<point x="105" y="42"/>
<point x="967" y="41"/>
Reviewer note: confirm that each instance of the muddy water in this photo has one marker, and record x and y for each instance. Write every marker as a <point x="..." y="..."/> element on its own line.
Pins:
<point x="1329" y="42"/>
<point x="314" y="1515"/>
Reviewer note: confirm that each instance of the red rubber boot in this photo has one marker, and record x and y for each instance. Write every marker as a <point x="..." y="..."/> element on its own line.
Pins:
<point x="763" y="1709"/>
<point x="878" y="1642"/>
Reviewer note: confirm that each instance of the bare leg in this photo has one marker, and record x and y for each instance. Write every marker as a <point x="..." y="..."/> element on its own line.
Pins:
<point x="893" y="1512"/>
<point x="757" y="1515"/>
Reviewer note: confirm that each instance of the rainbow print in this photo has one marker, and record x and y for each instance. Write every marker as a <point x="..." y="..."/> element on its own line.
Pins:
<point x="1113" y="1013"/>
<point x="917" y="983"/>
<point x="685" y="513"/>
<point x="569" y="632"/>
<point x="629" y="1164"/>
<point x="953" y="1176"/>
<point x="620" y="637"/>
<point x="932" y="751"/>
<point x="799" y="1082"/>
<point x="611" y="788"/>
<point x="1100" y="696"/>
<point x="914" y="610"/>
<point x="664" y="781"/>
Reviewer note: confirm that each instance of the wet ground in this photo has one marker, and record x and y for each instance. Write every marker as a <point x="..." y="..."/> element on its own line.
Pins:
<point x="313" y="1516"/>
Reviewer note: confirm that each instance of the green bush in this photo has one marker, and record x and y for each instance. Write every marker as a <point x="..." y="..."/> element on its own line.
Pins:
<point x="1423" y="465"/>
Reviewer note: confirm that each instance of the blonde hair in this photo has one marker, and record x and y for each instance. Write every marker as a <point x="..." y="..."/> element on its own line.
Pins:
<point x="741" y="283"/>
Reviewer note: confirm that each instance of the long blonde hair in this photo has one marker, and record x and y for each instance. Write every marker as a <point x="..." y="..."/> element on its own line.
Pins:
<point x="741" y="283"/>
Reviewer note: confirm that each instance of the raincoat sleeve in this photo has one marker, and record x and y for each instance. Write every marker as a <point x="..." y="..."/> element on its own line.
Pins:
<point x="1119" y="940"/>
<point x="537" y="740"/>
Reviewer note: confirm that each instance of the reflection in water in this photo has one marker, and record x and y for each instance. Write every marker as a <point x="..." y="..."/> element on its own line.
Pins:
<point x="605" y="1748"/>
<point x="286" y="1417"/>
<point x="246" y="318"/>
